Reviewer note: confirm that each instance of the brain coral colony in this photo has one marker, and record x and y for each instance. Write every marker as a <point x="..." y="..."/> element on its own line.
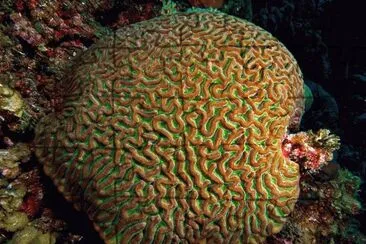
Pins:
<point x="174" y="126"/>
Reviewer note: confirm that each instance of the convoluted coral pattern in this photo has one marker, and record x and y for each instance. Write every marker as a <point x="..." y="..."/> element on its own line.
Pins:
<point x="171" y="131"/>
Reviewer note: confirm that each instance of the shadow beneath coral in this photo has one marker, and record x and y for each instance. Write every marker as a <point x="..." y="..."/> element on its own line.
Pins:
<point x="77" y="222"/>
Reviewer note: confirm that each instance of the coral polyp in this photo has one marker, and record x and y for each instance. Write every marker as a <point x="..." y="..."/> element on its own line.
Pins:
<point x="171" y="130"/>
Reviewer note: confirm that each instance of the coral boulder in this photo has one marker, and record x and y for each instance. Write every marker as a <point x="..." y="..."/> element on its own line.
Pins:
<point x="171" y="130"/>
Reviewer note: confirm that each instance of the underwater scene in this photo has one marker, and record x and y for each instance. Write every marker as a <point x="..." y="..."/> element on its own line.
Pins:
<point x="191" y="121"/>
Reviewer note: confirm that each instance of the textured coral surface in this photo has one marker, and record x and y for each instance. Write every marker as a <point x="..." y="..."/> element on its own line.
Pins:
<point x="171" y="129"/>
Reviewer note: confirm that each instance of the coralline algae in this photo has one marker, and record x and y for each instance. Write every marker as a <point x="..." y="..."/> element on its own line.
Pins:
<point x="171" y="130"/>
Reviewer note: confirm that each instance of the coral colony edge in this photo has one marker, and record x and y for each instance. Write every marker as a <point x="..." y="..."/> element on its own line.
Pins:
<point x="178" y="129"/>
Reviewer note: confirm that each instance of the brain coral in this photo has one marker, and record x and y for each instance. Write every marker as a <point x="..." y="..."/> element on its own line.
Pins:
<point x="171" y="130"/>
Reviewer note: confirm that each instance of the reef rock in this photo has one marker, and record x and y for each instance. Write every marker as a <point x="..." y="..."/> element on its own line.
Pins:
<point x="171" y="130"/>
